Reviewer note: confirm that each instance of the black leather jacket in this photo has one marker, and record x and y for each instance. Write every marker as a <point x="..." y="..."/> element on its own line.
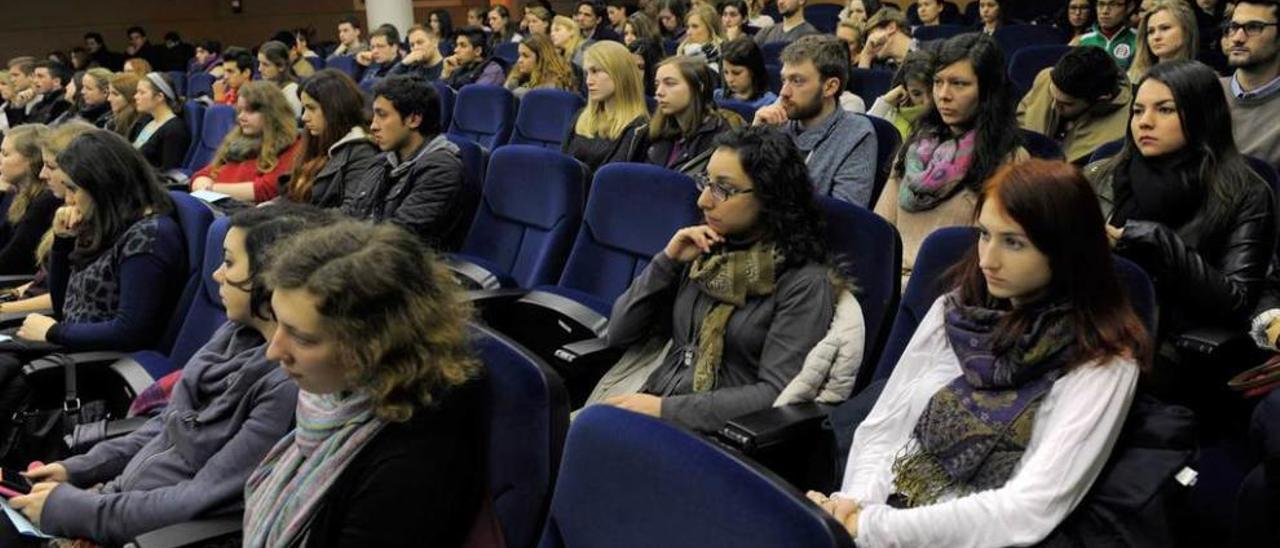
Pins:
<point x="694" y="154"/>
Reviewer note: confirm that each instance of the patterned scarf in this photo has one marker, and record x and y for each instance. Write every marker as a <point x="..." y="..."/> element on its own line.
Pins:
<point x="729" y="277"/>
<point x="975" y="429"/>
<point x="934" y="168"/>
<point x="287" y="488"/>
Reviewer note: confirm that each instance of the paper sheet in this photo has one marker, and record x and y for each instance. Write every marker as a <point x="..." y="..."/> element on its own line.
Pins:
<point x="20" y="521"/>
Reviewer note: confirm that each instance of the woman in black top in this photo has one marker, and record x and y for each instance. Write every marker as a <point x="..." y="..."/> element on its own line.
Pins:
<point x="604" y="131"/>
<point x="162" y="136"/>
<point x="32" y="204"/>
<point x="337" y="150"/>
<point x="94" y="107"/>
<point x="389" y="449"/>
<point x="687" y="120"/>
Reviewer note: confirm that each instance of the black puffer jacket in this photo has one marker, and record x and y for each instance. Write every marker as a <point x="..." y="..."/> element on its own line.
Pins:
<point x="350" y="160"/>
<point x="696" y="150"/>
<point x="1203" y="279"/>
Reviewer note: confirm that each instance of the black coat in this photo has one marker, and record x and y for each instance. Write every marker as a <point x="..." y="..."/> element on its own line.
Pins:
<point x="340" y="178"/>
<point x="694" y="153"/>
<point x="167" y="147"/>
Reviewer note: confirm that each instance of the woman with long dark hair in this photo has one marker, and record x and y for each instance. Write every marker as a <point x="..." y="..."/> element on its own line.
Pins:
<point x="739" y="296"/>
<point x="1076" y="19"/>
<point x="276" y="67"/>
<point x="1182" y="202"/>
<point x="336" y="148"/>
<point x="955" y="146"/>
<point x="744" y="74"/>
<point x="1007" y="402"/>
<point x="504" y="29"/>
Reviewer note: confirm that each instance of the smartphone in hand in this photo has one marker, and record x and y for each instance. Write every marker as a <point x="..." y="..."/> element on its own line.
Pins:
<point x="13" y="484"/>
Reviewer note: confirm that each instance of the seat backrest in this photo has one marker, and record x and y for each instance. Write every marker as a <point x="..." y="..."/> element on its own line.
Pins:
<point x="200" y="83"/>
<point x="824" y="17"/>
<point x="317" y="63"/>
<point x="743" y="108"/>
<point x="887" y="142"/>
<point x="774" y="74"/>
<point x="475" y="161"/>
<point x="528" y="420"/>
<point x="870" y="84"/>
<point x="193" y="115"/>
<point x="867" y="248"/>
<point x="343" y="63"/>
<point x="1011" y="38"/>
<point x="1041" y="146"/>
<point x="525" y="225"/>
<point x="543" y="117"/>
<point x="179" y="79"/>
<point x="773" y="52"/>
<point x="1107" y="150"/>
<point x="1028" y="61"/>
<point x="193" y="217"/>
<point x="485" y="114"/>
<point x="447" y="98"/>
<point x="507" y="51"/>
<point x="632" y="212"/>
<point x="218" y="121"/>
<point x="206" y="312"/>
<point x="947" y="246"/>
<point x="628" y="480"/>
<point x="938" y="32"/>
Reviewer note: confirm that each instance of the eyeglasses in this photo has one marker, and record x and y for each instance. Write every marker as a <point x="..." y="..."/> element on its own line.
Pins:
<point x="1251" y="29"/>
<point x="719" y="192"/>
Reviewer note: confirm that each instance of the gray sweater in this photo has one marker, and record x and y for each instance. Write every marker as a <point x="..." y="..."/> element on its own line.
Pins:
<point x="1253" y="121"/>
<point x="192" y="460"/>
<point x="765" y="344"/>
<point x="840" y="153"/>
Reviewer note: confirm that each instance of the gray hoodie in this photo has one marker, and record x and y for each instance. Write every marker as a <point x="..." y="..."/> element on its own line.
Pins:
<point x="191" y="460"/>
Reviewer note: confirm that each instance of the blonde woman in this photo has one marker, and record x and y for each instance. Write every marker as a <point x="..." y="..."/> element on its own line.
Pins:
<point x="31" y="208"/>
<point x="539" y="66"/>
<point x="537" y="20"/>
<point x="703" y="35"/>
<point x="250" y="161"/>
<point x="567" y="37"/>
<point x="604" y="131"/>
<point x="1168" y="32"/>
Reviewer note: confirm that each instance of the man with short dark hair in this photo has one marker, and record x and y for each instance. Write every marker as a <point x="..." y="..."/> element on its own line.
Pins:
<point x="349" y="34"/>
<point x="99" y="54"/>
<point x="888" y="40"/>
<point x="839" y="147"/>
<point x="139" y="46"/>
<point x="617" y="13"/>
<point x="1251" y="39"/>
<point x="49" y="80"/>
<point x="470" y="62"/>
<point x="1112" y="31"/>
<point x="929" y="12"/>
<point x="791" y="28"/>
<point x="591" y="17"/>
<point x="237" y="70"/>
<point x="1081" y="102"/>
<point x="420" y="185"/>
<point x="383" y="53"/>
<point x="175" y="53"/>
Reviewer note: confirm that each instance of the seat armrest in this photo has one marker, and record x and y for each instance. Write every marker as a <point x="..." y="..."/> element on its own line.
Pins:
<point x="79" y="358"/>
<point x="15" y="319"/>
<point x="475" y="277"/>
<point x="773" y="426"/>
<point x="15" y="280"/>
<point x="1212" y="341"/>
<point x="133" y="374"/>
<point x="581" y="364"/>
<point x="571" y="310"/>
<point x="189" y="533"/>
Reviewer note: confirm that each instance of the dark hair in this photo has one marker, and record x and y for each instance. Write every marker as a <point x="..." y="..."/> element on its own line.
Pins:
<point x="701" y="81"/>
<point x="744" y="52"/>
<point x="1273" y="4"/>
<point x="172" y="36"/>
<point x="288" y="38"/>
<point x="475" y="36"/>
<point x="308" y="35"/>
<point x="351" y="20"/>
<point x="596" y="7"/>
<point x="1087" y="73"/>
<point x="652" y="53"/>
<point x="998" y="137"/>
<point x="678" y="9"/>
<point x="788" y="212"/>
<point x="507" y="31"/>
<point x="741" y="5"/>
<point x="241" y="57"/>
<point x="263" y="227"/>
<point x="827" y="53"/>
<point x="411" y="96"/>
<point x="120" y="183"/>
<point x="388" y="33"/>
<point x="57" y="70"/>
<point x="343" y="106"/>
<point x="277" y="53"/>
<point x="917" y="66"/>
<point x="1206" y="125"/>
<point x="624" y="4"/>
<point x="97" y="36"/>
<point x="1063" y="17"/>
<point x="1059" y="211"/>
<point x="135" y="30"/>
<point x="211" y="46"/>
<point x="446" y="23"/>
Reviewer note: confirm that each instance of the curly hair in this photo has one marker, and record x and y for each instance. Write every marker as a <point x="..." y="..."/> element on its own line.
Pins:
<point x="788" y="211"/>
<point x="397" y="316"/>
<point x="278" y="133"/>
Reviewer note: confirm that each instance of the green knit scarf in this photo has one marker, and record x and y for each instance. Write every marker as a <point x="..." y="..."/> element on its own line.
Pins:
<point x="729" y="277"/>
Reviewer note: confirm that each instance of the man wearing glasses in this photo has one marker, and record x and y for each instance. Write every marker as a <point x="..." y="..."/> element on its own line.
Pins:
<point x="1251" y="41"/>
<point x="1112" y="32"/>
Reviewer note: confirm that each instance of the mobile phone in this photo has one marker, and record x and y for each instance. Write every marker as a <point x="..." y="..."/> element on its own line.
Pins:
<point x="13" y="484"/>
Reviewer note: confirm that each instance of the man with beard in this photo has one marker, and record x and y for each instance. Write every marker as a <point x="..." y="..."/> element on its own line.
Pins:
<point x="792" y="27"/>
<point x="419" y="185"/>
<point x="839" y="146"/>
<point x="1251" y="40"/>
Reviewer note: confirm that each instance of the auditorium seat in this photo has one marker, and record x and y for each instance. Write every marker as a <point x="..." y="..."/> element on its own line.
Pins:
<point x="870" y="84"/>
<point x="485" y="114"/>
<point x="743" y="108"/>
<point x="1106" y="150"/>
<point x="1041" y="146"/>
<point x="773" y="53"/>
<point x="544" y="116"/>
<point x="447" y="99"/>
<point x="507" y="51"/>
<point x="193" y="115"/>
<point x="179" y="79"/>
<point x="1028" y="61"/>
<point x="218" y="121"/>
<point x="1012" y="38"/>
<point x="524" y="226"/>
<point x="475" y="163"/>
<point x="345" y="64"/>
<point x="939" y="32"/>
<point x="774" y="74"/>
<point x="824" y="17"/>
<point x="628" y="480"/>
<point x="317" y="63"/>
<point x="200" y="84"/>
<point x="887" y="142"/>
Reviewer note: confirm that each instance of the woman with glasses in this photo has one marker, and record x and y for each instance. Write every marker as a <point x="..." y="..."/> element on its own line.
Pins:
<point x="738" y="296"/>
<point x="1076" y="19"/>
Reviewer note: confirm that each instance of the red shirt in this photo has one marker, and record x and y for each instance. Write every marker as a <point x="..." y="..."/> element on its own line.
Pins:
<point x="230" y="96"/>
<point x="265" y="185"/>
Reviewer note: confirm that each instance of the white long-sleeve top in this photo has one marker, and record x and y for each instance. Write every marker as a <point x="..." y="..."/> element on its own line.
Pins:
<point x="1074" y="431"/>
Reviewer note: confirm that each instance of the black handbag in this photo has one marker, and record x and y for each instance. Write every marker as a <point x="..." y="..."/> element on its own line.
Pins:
<point x="41" y="434"/>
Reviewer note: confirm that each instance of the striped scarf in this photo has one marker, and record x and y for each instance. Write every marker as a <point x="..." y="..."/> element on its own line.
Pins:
<point x="288" y="487"/>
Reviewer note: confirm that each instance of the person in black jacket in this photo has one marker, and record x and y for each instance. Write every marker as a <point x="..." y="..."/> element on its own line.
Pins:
<point x="687" y="120"/>
<point x="31" y="207"/>
<point x="1182" y="203"/>
<point x="424" y="59"/>
<point x="419" y="182"/>
<point x="162" y="137"/>
<point x="390" y="444"/>
<point x="49" y="79"/>
<point x="336" y="151"/>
